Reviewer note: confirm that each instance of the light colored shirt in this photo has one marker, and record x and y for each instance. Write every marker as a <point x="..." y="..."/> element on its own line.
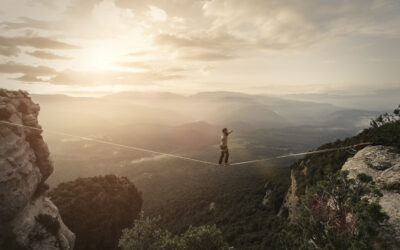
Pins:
<point x="224" y="139"/>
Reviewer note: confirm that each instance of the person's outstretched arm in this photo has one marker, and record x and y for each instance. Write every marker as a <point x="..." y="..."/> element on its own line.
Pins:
<point x="230" y="132"/>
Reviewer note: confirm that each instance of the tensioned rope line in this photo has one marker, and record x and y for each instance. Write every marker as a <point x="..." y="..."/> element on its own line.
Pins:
<point x="178" y="156"/>
<point x="304" y="153"/>
<point x="290" y="155"/>
<point x="110" y="143"/>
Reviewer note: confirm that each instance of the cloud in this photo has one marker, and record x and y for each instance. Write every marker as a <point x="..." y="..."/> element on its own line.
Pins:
<point x="35" y="42"/>
<point x="282" y="24"/>
<point x="209" y="40"/>
<point x="198" y="46"/>
<point x="26" y="22"/>
<point x="171" y="8"/>
<point x="9" y="50"/>
<point x="134" y="64"/>
<point x="152" y="67"/>
<point x="47" y="3"/>
<point x="208" y="56"/>
<point x="80" y="9"/>
<point x="266" y="24"/>
<point x="47" y="55"/>
<point x="9" y="46"/>
<point x="141" y="53"/>
<point x="182" y="37"/>
<point x="29" y="73"/>
<point x="28" y="79"/>
<point x="232" y="25"/>
<point x="175" y="69"/>
<point x="71" y="77"/>
<point x="11" y="67"/>
<point x="157" y="14"/>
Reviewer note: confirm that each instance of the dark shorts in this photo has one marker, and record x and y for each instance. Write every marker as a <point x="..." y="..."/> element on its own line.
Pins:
<point x="224" y="148"/>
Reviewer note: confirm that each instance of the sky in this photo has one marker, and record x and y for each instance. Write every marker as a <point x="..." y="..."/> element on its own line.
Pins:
<point x="95" y="47"/>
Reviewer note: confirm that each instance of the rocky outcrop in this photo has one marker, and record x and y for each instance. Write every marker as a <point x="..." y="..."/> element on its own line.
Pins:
<point x="24" y="168"/>
<point x="383" y="165"/>
<point x="267" y="196"/>
<point x="291" y="198"/>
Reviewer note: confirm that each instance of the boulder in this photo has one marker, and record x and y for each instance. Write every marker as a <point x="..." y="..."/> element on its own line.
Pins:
<point x="383" y="165"/>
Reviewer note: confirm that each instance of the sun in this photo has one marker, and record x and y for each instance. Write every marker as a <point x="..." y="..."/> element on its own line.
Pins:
<point x="100" y="56"/>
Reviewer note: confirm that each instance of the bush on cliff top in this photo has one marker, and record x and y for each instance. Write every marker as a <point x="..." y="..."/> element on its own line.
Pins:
<point x="338" y="213"/>
<point x="97" y="209"/>
<point x="147" y="235"/>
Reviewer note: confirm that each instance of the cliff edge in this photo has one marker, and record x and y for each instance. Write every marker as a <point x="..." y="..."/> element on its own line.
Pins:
<point x="24" y="167"/>
<point x="383" y="165"/>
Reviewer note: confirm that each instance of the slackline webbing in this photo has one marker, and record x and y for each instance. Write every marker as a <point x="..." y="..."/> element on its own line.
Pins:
<point x="173" y="155"/>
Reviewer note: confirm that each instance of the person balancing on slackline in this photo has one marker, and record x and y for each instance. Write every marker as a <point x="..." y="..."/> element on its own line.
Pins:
<point x="224" y="146"/>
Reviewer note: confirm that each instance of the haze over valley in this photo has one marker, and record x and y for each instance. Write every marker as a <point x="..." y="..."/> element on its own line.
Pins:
<point x="128" y="100"/>
<point x="264" y="126"/>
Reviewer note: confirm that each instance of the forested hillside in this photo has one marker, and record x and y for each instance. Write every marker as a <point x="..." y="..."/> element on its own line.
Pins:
<point x="230" y="198"/>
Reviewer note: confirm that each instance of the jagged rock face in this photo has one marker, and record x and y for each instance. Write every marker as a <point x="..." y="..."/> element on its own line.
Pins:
<point x="24" y="167"/>
<point x="291" y="199"/>
<point x="266" y="197"/>
<point x="383" y="165"/>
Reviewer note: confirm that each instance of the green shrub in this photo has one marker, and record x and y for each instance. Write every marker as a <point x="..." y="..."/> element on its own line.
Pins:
<point x="147" y="235"/>
<point x="144" y="234"/>
<point x="338" y="213"/>
<point x="203" y="237"/>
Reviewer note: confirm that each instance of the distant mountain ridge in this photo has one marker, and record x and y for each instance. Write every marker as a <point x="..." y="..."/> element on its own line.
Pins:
<point x="218" y="108"/>
<point x="376" y="100"/>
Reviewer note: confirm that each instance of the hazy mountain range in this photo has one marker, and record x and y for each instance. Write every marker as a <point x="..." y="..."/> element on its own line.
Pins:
<point x="217" y="108"/>
<point x="380" y="99"/>
<point x="187" y="125"/>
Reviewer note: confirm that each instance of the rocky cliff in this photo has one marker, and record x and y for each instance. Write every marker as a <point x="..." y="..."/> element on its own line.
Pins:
<point x="381" y="163"/>
<point x="24" y="167"/>
<point x="291" y="198"/>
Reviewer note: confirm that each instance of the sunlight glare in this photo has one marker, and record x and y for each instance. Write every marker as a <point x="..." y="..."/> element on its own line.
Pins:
<point x="100" y="57"/>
